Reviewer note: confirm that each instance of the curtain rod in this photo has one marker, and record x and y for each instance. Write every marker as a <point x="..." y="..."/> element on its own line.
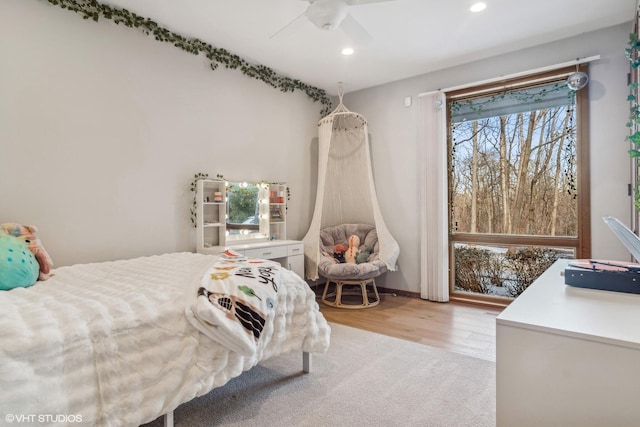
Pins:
<point x="516" y="75"/>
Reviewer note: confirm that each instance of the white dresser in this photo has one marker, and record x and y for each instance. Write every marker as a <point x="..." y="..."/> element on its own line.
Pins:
<point x="289" y="253"/>
<point x="568" y="357"/>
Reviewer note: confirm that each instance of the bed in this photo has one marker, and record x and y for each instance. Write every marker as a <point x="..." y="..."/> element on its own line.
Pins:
<point x="109" y="343"/>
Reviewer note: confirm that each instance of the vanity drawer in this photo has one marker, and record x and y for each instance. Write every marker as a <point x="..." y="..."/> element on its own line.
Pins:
<point x="267" y="253"/>
<point x="296" y="249"/>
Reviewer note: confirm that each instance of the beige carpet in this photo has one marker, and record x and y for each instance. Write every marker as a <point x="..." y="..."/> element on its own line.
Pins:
<point x="365" y="379"/>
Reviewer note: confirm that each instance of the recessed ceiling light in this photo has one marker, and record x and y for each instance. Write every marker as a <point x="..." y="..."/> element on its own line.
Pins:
<point x="347" y="51"/>
<point x="477" y="7"/>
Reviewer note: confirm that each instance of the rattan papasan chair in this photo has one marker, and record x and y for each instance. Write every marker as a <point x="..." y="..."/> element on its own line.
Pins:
<point x="345" y="279"/>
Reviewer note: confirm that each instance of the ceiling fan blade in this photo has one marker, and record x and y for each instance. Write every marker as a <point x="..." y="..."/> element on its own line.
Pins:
<point x="355" y="31"/>
<point x="287" y="26"/>
<point x="359" y="2"/>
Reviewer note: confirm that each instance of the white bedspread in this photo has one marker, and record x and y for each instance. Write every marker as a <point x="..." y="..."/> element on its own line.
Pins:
<point x="110" y="343"/>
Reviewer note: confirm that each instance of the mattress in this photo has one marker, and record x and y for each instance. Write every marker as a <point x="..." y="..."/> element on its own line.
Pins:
<point x="108" y="343"/>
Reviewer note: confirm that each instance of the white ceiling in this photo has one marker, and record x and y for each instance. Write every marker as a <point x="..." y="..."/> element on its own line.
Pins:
<point x="409" y="37"/>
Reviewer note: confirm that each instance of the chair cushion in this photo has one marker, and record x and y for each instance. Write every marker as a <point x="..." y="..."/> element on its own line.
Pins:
<point x="331" y="236"/>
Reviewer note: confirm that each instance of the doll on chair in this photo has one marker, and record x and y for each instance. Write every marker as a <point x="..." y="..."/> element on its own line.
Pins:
<point x="352" y="252"/>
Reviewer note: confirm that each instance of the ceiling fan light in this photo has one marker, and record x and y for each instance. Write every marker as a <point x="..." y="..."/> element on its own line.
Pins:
<point x="478" y="7"/>
<point x="327" y="14"/>
<point x="347" y="51"/>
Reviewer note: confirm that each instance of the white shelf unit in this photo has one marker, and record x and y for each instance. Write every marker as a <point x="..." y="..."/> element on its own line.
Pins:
<point x="211" y="212"/>
<point x="278" y="211"/>
<point x="211" y="208"/>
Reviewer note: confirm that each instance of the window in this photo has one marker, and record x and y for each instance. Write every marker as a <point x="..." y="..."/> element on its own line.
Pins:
<point x="518" y="183"/>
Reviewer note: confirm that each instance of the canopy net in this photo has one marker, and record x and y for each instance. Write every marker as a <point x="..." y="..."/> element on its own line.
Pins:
<point x="346" y="192"/>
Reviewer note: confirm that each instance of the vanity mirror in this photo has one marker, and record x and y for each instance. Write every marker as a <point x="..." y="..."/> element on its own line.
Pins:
<point x="247" y="211"/>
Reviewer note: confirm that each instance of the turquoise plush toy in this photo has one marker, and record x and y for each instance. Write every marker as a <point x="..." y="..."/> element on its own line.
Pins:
<point x="363" y="256"/>
<point x="18" y="266"/>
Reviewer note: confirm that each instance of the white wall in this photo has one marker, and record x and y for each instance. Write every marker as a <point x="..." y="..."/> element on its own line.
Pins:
<point x="102" y="129"/>
<point x="393" y="129"/>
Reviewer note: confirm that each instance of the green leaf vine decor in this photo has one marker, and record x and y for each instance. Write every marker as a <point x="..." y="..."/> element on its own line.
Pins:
<point x="634" y="107"/>
<point x="193" y="187"/>
<point x="92" y="9"/>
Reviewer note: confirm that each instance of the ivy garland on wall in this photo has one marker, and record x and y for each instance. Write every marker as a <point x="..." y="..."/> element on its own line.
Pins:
<point x="634" y="107"/>
<point x="92" y="9"/>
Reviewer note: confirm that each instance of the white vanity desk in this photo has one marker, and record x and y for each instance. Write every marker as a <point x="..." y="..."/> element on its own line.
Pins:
<point x="568" y="356"/>
<point x="289" y="253"/>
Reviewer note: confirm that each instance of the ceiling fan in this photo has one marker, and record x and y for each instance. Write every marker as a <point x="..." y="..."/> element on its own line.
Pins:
<point x="329" y="15"/>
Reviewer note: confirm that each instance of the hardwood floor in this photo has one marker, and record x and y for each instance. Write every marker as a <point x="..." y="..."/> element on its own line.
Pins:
<point x="462" y="328"/>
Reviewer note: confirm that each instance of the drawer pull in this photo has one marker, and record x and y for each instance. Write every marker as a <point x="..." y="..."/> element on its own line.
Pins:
<point x="266" y="253"/>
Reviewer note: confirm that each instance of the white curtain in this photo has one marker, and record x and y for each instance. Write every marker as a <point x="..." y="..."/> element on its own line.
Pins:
<point x="346" y="191"/>
<point x="432" y="161"/>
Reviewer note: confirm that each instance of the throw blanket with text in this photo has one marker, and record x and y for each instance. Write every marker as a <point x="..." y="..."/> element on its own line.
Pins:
<point x="235" y="300"/>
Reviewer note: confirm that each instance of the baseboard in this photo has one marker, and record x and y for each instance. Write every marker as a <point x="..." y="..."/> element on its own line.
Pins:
<point x="399" y="293"/>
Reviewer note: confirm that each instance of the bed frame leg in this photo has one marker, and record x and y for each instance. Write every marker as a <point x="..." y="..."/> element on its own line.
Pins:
<point x="306" y="362"/>
<point x="168" y="419"/>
